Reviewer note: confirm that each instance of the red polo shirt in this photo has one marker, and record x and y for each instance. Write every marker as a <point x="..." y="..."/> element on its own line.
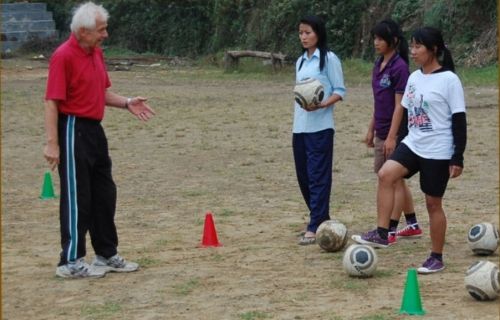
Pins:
<point x="78" y="80"/>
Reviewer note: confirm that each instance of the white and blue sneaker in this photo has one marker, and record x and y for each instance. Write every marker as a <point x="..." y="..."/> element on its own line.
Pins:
<point x="79" y="269"/>
<point x="114" y="264"/>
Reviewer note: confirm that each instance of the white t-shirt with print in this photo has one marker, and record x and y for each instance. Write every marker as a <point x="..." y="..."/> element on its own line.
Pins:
<point x="431" y="99"/>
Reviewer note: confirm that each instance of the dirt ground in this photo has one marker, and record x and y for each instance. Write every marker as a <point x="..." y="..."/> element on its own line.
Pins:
<point x="222" y="142"/>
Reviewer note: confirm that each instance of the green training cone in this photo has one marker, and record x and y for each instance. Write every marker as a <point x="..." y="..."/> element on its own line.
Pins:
<point x="48" y="188"/>
<point x="411" y="304"/>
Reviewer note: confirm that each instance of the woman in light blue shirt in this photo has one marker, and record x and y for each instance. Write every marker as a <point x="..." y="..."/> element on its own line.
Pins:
<point x="313" y="129"/>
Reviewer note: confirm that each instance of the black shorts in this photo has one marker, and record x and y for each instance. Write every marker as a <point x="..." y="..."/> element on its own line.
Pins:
<point x="434" y="174"/>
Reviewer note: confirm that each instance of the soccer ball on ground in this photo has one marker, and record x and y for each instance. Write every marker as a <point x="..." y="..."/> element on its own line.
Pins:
<point x="307" y="92"/>
<point x="331" y="235"/>
<point x="360" y="260"/>
<point x="483" y="238"/>
<point x="481" y="280"/>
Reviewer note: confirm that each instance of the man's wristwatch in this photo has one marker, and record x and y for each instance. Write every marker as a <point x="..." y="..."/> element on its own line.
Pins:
<point x="128" y="102"/>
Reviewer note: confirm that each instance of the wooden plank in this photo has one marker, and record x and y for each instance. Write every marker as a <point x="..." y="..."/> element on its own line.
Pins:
<point x="256" y="54"/>
<point x="231" y="58"/>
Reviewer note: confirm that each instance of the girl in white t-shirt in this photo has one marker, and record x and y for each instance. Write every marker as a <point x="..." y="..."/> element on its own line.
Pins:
<point x="434" y="146"/>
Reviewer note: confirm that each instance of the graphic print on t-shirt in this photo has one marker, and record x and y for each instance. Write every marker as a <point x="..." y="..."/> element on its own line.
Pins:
<point x="385" y="82"/>
<point x="417" y="111"/>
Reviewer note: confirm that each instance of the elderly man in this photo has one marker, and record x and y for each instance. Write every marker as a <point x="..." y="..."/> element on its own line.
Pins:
<point x="77" y="92"/>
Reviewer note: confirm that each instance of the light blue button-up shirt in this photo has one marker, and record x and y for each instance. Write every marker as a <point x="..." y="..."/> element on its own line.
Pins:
<point x="333" y="82"/>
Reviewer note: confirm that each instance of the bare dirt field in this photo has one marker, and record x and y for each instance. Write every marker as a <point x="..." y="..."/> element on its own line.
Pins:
<point x="222" y="142"/>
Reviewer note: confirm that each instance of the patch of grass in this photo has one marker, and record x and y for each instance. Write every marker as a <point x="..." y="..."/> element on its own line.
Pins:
<point x="147" y="262"/>
<point x="44" y="264"/>
<point x="356" y="71"/>
<point x="194" y="193"/>
<point x="485" y="76"/>
<point x="107" y="310"/>
<point x="198" y="220"/>
<point x="466" y="211"/>
<point x="367" y="154"/>
<point x="187" y="287"/>
<point x="295" y="225"/>
<point x="481" y="154"/>
<point x="455" y="268"/>
<point x="384" y="273"/>
<point x="37" y="45"/>
<point x="376" y="317"/>
<point x="260" y="178"/>
<point x="161" y="242"/>
<point x="351" y="284"/>
<point x="253" y="315"/>
<point x="226" y="213"/>
<point x="355" y="284"/>
<point x="329" y="256"/>
<point x="408" y="247"/>
<point x="117" y="52"/>
<point x="217" y="257"/>
<point x="252" y="65"/>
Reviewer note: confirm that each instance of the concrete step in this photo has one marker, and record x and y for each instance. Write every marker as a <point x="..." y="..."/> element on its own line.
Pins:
<point x="26" y="35"/>
<point x="10" y="45"/>
<point x="23" y="6"/>
<point x="15" y="16"/>
<point x="28" y="25"/>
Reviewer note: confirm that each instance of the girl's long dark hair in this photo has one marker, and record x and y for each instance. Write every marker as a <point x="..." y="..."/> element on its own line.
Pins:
<point x="432" y="39"/>
<point x="390" y="31"/>
<point x="318" y="26"/>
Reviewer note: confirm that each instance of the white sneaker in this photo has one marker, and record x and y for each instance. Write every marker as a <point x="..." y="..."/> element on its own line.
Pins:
<point x="79" y="269"/>
<point x="114" y="264"/>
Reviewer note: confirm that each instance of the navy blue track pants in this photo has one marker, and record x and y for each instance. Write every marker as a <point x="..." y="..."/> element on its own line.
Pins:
<point x="88" y="193"/>
<point x="313" y="155"/>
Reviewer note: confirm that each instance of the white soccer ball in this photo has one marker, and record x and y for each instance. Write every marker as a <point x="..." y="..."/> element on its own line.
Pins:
<point x="481" y="280"/>
<point x="308" y="91"/>
<point x="331" y="235"/>
<point x="483" y="238"/>
<point x="360" y="260"/>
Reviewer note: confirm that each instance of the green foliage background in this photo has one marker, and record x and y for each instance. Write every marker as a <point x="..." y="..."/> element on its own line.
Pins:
<point x="201" y="27"/>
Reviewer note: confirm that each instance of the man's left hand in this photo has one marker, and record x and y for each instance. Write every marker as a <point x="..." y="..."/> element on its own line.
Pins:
<point x="140" y="108"/>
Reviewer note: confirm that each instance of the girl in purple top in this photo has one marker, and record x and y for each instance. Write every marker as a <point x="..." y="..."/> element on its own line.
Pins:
<point x="389" y="78"/>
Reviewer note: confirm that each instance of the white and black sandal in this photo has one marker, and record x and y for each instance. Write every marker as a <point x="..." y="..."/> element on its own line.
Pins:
<point x="305" y="241"/>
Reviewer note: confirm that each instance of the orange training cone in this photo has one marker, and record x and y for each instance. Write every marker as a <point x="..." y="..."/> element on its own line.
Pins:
<point x="209" y="233"/>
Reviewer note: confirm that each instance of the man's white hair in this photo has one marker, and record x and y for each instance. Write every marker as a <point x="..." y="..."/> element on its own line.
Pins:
<point x="85" y="15"/>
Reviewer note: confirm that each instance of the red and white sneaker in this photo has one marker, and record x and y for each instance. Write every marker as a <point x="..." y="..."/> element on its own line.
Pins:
<point x="410" y="231"/>
<point x="391" y="237"/>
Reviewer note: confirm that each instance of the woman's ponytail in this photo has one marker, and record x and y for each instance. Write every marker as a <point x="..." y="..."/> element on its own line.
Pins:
<point x="403" y="48"/>
<point x="448" y="60"/>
